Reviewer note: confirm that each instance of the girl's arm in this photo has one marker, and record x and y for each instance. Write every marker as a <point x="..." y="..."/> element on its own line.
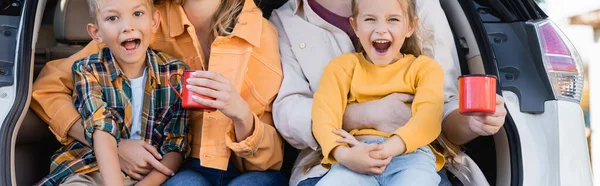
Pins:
<point x="330" y="103"/>
<point x="427" y="107"/>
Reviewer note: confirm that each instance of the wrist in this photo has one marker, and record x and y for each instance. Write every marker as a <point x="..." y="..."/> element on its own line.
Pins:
<point x="339" y="152"/>
<point x="396" y="144"/>
<point x="244" y="115"/>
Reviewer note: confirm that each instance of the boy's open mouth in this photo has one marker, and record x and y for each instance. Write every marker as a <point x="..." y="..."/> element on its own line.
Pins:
<point x="131" y="44"/>
<point x="381" y="45"/>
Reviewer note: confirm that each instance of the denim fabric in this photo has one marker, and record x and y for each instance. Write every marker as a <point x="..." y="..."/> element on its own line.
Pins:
<point x="416" y="168"/>
<point x="194" y="174"/>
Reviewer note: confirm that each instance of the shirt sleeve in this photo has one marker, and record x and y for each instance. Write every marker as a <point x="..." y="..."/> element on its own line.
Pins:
<point x="328" y="108"/>
<point x="90" y="103"/>
<point x="292" y="107"/>
<point x="439" y="45"/>
<point x="425" y="124"/>
<point x="175" y="132"/>
<point x="52" y="96"/>
<point x="264" y="140"/>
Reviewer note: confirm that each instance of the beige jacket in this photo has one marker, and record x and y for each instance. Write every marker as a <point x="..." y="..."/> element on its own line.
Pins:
<point x="307" y="43"/>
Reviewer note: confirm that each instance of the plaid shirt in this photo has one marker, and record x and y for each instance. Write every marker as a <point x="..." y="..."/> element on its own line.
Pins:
<point x="102" y="96"/>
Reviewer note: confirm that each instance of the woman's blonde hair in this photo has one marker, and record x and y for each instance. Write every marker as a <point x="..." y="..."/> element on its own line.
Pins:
<point x="224" y="19"/>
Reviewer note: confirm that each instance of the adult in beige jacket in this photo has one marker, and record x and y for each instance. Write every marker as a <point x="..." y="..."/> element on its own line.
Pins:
<point x="307" y="43"/>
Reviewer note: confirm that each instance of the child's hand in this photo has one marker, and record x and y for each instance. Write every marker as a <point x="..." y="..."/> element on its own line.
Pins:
<point x="393" y="146"/>
<point x="356" y="157"/>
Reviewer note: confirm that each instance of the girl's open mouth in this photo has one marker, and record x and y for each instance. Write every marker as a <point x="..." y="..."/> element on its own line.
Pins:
<point x="131" y="44"/>
<point x="381" y="46"/>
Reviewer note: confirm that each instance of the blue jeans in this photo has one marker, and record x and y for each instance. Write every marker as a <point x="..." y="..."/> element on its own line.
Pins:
<point x="194" y="174"/>
<point x="416" y="168"/>
<point x="313" y="181"/>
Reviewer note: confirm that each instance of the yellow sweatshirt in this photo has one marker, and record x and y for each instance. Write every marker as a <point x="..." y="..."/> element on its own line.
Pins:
<point x="350" y="78"/>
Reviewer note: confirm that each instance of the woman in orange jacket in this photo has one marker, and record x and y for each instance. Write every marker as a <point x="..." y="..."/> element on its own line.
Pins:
<point x="238" y="50"/>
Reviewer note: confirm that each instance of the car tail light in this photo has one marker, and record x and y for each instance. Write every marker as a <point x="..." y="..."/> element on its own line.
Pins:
<point x="562" y="62"/>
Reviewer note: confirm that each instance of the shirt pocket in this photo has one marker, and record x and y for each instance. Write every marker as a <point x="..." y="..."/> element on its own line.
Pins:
<point x="261" y="84"/>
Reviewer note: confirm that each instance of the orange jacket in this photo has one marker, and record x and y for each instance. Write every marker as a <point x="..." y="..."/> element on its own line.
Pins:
<point x="249" y="58"/>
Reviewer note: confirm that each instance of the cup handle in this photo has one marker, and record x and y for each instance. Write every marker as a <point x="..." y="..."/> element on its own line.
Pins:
<point x="171" y="85"/>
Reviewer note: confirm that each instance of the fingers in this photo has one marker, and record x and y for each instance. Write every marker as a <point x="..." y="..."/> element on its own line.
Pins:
<point x="376" y="170"/>
<point x="500" y="111"/>
<point x="208" y="83"/>
<point x="350" y="142"/>
<point x="217" y="104"/>
<point x="343" y="133"/>
<point x="161" y="168"/>
<point x="499" y="100"/>
<point x="152" y="151"/>
<point x="143" y="171"/>
<point x="210" y="75"/>
<point x="482" y="128"/>
<point x="373" y="147"/>
<point x="347" y="138"/>
<point x="379" y="154"/>
<point x="206" y="92"/>
<point x="490" y="120"/>
<point x="135" y="176"/>
<point x="381" y="162"/>
<point x="378" y="166"/>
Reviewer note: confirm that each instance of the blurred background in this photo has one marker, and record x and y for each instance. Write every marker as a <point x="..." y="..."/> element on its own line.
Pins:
<point x="580" y="21"/>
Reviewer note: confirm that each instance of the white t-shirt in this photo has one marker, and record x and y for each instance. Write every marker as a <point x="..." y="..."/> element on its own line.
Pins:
<point x="138" y="86"/>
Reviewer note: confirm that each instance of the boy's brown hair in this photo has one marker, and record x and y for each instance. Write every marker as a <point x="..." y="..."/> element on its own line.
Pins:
<point x="95" y="4"/>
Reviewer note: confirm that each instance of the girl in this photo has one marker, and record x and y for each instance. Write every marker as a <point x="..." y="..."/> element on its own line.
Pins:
<point x="238" y="47"/>
<point x="390" y="62"/>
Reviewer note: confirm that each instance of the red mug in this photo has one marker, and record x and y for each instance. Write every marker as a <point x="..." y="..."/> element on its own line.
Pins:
<point x="186" y="95"/>
<point x="476" y="94"/>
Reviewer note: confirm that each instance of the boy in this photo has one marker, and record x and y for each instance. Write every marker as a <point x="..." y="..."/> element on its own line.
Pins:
<point x="122" y="92"/>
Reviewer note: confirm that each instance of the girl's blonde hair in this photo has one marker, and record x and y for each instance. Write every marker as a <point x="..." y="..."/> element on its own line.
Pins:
<point x="224" y="19"/>
<point x="411" y="45"/>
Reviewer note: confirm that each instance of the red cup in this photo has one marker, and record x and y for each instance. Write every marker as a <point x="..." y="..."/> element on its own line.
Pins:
<point x="476" y="94"/>
<point x="186" y="95"/>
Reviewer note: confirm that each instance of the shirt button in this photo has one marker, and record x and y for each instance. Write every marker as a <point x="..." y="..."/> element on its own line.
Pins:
<point x="302" y="45"/>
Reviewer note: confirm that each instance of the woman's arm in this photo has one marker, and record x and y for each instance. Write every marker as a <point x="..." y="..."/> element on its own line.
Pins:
<point x="52" y="96"/>
<point x="460" y="129"/>
<point x="292" y="107"/>
<point x="386" y="114"/>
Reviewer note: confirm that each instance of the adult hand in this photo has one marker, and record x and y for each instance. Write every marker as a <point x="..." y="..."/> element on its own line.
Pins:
<point x="356" y="157"/>
<point x="214" y="85"/>
<point x="488" y="124"/>
<point x="391" y="112"/>
<point x="137" y="158"/>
